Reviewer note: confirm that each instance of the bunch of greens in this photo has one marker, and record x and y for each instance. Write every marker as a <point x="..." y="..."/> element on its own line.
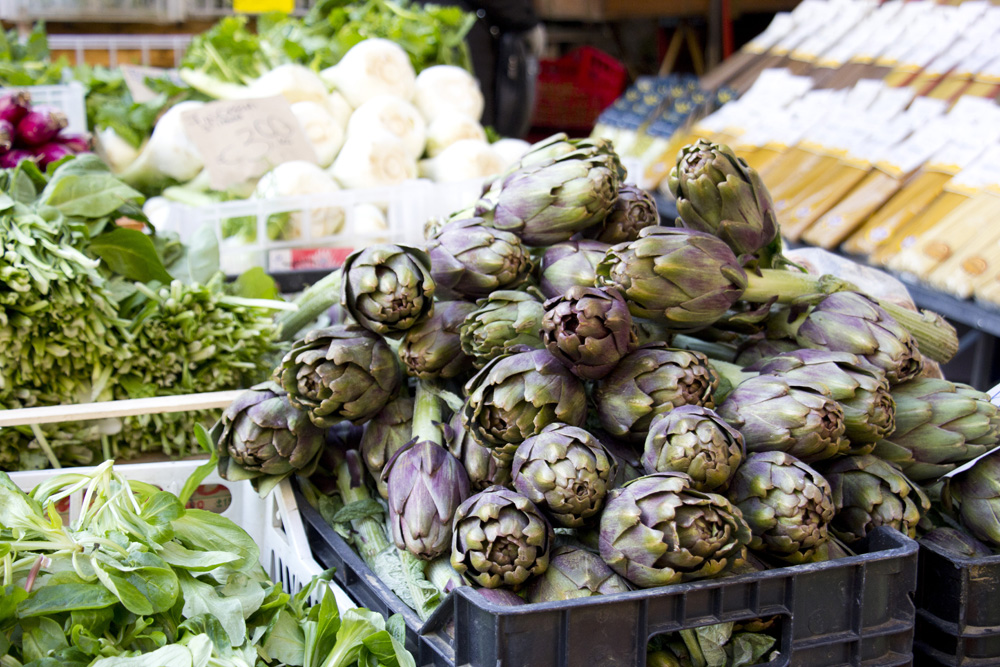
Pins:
<point x="26" y="62"/>
<point x="137" y="574"/>
<point x="710" y="646"/>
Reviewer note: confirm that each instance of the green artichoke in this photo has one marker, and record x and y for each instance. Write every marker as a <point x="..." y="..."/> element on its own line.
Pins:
<point x="683" y="279"/>
<point x="567" y="264"/>
<point x="759" y="348"/>
<point x="589" y="330"/>
<point x="861" y="391"/>
<point x="262" y="434"/>
<point x="716" y="192"/>
<point x="696" y="441"/>
<point x="548" y="198"/>
<point x="339" y="373"/>
<point x="939" y="426"/>
<point x="566" y="472"/>
<point x="776" y="413"/>
<point x="426" y="486"/>
<point x="657" y="531"/>
<point x="575" y="573"/>
<point x="851" y="322"/>
<point x="385" y="435"/>
<point x="633" y="210"/>
<point x="471" y="259"/>
<point x="869" y="492"/>
<point x="515" y="397"/>
<point x="648" y="382"/>
<point x="559" y="146"/>
<point x="500" y="322"/>
<point x="958" y="542"/>
<point x="787" y="504"/>
<point x="500" y="539"/>
<point x="388" y="289"/>
<point x="973" y="495"/>
<point x="432" y="350"/>
<point x="484" y="469"/>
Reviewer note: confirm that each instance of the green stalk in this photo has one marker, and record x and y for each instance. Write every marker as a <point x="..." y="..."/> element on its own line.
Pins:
<point x="710" y="349"/>
<point x="370" y="536"/>
<point x="427" y="415"/>
<point x="937" y="339"/>
<point x="731" y="372"/>
<point x="311" y="304"/>
<point x="440" y="573"/>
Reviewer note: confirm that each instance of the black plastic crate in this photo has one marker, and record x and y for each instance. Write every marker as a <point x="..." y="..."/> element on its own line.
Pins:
<point x="852" y="611"/>
<point x="958" y="609"/>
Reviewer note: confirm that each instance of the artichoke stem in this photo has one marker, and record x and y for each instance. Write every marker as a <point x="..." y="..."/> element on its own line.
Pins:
<point x="710" y="349"/>
<point x="440" y="573"/>
<point x="787" y="286"/>
<point x="427" y="415"/>
<point x="733" y="373"/>
<point x="311" y="304"/>
<point x="936" y="338"/>
<point x="371" y="538"/>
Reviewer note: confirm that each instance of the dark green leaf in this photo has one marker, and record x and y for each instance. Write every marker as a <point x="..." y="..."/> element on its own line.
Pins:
<point x="41" y="637"/>
<point x="255" y="284"/>
<point x="197" y="561"/>
<point x="285" y="642"/>
<point x="95" y="621"/>
<point x="12" y="596"/>
<point x="16" y="508"/>
<point x="200" y="259"/>
<point x="360" y="509"/>
<point x="53" y="599"/>
<point x="130" y="253"/>
<point x="201" y="598"/>
<point x="85" y="188"/>
<point x="201" y="472"/>
<point x="209" y="625"/>
<point x="208" y="531"/>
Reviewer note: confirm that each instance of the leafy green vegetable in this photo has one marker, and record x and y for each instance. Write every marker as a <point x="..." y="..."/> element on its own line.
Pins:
<point x="25" y="62"/>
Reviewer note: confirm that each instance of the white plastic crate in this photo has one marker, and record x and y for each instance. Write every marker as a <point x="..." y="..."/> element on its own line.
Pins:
<point x="102" y="11"/>
<point x="69" y="98"/>
<point x="115" y="45"/>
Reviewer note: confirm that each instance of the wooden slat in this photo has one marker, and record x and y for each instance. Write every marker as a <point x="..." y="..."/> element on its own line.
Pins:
<point x="109" y="409"/>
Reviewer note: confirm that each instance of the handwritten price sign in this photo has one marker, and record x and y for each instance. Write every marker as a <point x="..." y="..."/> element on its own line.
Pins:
<point x="241" y="140"/>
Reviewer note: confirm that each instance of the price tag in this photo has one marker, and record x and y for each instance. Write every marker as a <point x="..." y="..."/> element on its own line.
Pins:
<point x="242" y="139"/>
<point x="262" y="6"/>
<point x="135" y="79"/>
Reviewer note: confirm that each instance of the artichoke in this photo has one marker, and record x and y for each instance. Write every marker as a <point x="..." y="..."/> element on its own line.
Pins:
<point x="589" y="330"/>
<point x="684" y="279"/>
<point x="385" y="435"/>
<point x="426" y="485"/>
<point x="776" y="413"/>
<point x="500" y="322"/>
<point x="483" y="468"/>
<point x="575" y="573"/>
<point x="939" y="426"/>
<point x="515" y="397"/>
<point x="262" y="434"/>
<point x="696" y="441"/>
<point x="432" y="349"/>
<point x="648" y="382"/>
<point x="387" y="289"/>
<point x="862" y="392"/>
<point x="566" y="472"/>
<point x="716" y="192"/>
<point x="339" y="373"/>
<point x="657" y="531"/>
<point x="869" y="492"/>
<point x="559" y="146"/>
<point x="973" y="495"/>
<point x="548" y="198"/>
<point x="633" y="210"/>
<point x="500" y="539"/>
<point x="787" y="504"/>
<point x="759" y="348"/>
<point x="470" y="259"/>
<point x="851" y="322"/>
<point x="567" y="264"/>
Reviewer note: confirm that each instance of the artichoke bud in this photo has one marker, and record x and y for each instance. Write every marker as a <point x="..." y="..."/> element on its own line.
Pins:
<point x="501" y="321"/>
<point x="633" y="210"/>
<point x="696" y="441"/>
<point x="388" y="289"/>
<point x="565" y="265"/>
<point x="589" y="330"/>
<point x="471" y="259"/>
<point x="500" y="539"/>
<point x="575" y="573"/>
<point x="658" y="531"/>
<point x="787" y="504"/>
<point x="426" y="485"/>
<point x="973" y="495"/>
<point x="566" y="472"/>
<point x="385" y="435"/>
<point x="483" y="468"/>
<point x="432" y="349"/>
<point x="757" y="348"/>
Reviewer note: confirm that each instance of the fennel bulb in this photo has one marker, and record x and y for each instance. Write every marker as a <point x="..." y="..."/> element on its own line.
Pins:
<point x="339" y="108"/>
<point x="168" y="155"/>
<point x="370" y="219"/>
<point x="373" y="160"/>
<point x="296" y="83"/>
<point x="297" y="178"/>
<point x="449" y="127"/>
<point x="444" y="88"/>
<point x="372" y="67"/>
<point x="392" y="114"/>
<point x="464" y="160"/>
<point x="115" y="151"/>
<point x="323" y="131"/>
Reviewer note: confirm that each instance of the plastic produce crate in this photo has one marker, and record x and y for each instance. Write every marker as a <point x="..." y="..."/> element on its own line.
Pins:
<point x="853" y="611"/>
<point x="573" y="90"/>
<point x="103" y="11"/>
<point x="115" y="50"/>
<point x="68" y="98"/>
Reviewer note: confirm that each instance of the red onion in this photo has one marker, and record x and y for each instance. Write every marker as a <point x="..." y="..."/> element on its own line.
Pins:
<point x="51" y="152"/>
<point x="6" y="136"/>
<point x="14" y="106"/>
<point x="40" y="125"/>
<point x="78" y="143"/>
<point x="11" y="158"/>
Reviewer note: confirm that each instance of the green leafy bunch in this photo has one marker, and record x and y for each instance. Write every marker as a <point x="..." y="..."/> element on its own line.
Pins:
<point x="26" y="62"/>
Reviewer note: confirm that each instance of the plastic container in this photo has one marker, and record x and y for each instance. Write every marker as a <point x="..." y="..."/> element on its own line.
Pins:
<point x="274" y="522"/>
<point x="69" y="98"/>
<point x="115" y="50"/>
<point x="853" y="611"/>
<point x="132" y="11"/>
<point x="573" y="90"/>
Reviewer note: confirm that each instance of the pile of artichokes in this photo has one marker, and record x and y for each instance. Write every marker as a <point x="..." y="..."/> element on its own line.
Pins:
<point x="562" y="417"/>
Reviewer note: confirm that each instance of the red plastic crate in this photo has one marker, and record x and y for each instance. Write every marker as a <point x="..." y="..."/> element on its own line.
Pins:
<point x="573" y="90"/>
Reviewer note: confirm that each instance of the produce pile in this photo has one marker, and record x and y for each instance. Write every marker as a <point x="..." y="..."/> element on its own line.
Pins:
<point x="35" y="132"/>
<point x="139" y="579"/>
<point x="562" y="397"/>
